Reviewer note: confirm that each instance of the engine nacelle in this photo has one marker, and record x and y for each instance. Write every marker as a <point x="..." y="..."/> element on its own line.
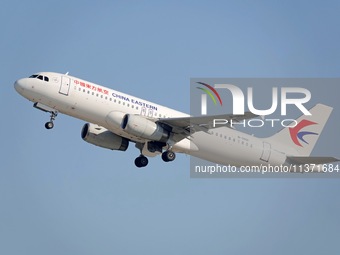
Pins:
<point x="114" y="119"/>
<point x="144" y="128"/>
<point x="104" y="138"/>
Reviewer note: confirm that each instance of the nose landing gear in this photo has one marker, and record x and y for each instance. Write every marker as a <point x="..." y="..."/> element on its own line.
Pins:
<point x="53" y="112"/>
<point x="50" y="124"/>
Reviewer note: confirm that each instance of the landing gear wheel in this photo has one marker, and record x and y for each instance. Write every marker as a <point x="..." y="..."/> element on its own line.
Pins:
<point x="49" y="125"/>
<point x="168" y="156"/>
<point x="141" y="161"/>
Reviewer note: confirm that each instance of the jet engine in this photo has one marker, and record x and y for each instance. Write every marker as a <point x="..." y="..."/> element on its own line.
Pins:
<point x="114" y="120"/>
<point x="144" y="128"/>
<point x="102" y="137"/>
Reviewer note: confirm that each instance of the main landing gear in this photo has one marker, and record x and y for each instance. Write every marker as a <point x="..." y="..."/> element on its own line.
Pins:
<point x="168" y="156"/>
<point x="143" y="161"/>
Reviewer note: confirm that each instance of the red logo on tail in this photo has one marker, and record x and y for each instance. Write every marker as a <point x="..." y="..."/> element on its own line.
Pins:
<point x="296" y="135"/>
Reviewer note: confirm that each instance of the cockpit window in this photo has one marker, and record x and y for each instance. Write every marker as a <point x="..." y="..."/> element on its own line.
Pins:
<point x="40" y="77"/>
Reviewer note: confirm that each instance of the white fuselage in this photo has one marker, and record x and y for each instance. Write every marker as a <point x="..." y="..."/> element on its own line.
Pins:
<point x="92" y="103"/>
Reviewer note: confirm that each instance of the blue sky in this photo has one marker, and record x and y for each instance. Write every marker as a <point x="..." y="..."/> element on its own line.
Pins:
<point x="60" y="195"/>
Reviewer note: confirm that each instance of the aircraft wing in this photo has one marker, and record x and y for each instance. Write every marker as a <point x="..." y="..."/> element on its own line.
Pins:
<point x="185" y="126"/>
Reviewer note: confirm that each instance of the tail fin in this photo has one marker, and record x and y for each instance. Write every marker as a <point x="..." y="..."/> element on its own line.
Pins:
<point x="305" y="134"/>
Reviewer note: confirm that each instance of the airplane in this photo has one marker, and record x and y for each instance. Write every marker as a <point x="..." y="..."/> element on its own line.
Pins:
<point x="116" y="119"/>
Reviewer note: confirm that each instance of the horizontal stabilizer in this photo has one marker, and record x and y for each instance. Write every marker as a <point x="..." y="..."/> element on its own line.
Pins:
<point x="311" y="160"/>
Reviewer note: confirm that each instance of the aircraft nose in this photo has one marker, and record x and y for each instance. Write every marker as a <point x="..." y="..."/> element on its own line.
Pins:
<point x="19" y="86"/>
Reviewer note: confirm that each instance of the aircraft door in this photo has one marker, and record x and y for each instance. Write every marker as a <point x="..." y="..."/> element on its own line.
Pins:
<point x="65" y="85"/>
<point x="143" y="111"/>
<point x="150" y="113"/>
<point x="266" y="152"/>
